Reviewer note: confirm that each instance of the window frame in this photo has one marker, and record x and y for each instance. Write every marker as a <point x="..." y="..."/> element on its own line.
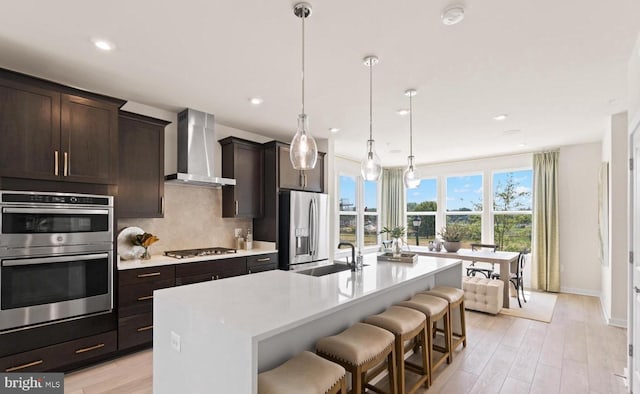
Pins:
<point x="494" y="213"/>
<point x="408" y="213"/>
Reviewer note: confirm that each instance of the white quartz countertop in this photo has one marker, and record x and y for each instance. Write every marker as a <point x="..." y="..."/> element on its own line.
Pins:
<point x="161" y="259"/>
<point x="267" y="303"/>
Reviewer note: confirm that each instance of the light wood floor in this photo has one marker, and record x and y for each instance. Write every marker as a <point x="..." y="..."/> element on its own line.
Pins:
<point x="575" y="353"/>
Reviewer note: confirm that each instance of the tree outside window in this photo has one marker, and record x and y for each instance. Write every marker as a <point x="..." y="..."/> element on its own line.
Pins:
<point x="422" y="207"/>
<point x="512" y="210"/>
<point x="348" y="209"/>
<point x="464" y="206"/>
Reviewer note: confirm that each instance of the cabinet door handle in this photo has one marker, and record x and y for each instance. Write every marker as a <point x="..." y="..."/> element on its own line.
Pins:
<point x="249" y="271"/>
<point x="264" y="259"/>
<point x="23" y="366"/>
<point x="56" y="164"/>
<point x="162" y="205"/>
<point x="305" y="181"/>
<point x="90" y="348"/>
<point x="145" y="328"/>
<point x="66" y="164"/>
<point x="237" y="207"/>
<point x="144" y="298"/>
<point x="148" y="275"/>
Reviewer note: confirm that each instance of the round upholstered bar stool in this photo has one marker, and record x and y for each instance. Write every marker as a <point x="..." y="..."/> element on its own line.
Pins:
<point x="305" y="373"/>
<point x="359" y="349"/>
<point x="405" y="324"/>
<point x="435" y="309"/>
<point x="455" y="298"/>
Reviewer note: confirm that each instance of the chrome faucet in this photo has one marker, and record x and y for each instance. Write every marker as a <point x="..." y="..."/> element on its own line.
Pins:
<point x="353" y="254"/>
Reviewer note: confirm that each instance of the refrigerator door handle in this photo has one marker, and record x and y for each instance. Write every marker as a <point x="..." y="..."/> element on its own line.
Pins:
<point x="311" y="227"/>
<point x="316" y="231"/>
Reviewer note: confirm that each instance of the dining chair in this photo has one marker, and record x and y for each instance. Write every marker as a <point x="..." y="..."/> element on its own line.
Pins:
<point x="472" y="269"/>
<point x="516" y="278"/>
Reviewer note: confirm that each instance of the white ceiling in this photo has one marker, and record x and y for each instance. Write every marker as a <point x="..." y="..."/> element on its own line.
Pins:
<point x="558" y="68"/>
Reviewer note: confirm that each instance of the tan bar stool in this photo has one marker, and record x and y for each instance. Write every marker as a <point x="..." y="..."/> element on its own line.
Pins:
<point x="406" y="324"/>
<point x="435" y="309"/>
<point x="305" y="373"/>
<point x="455" y="298"/>
<point x="358" y="349"/>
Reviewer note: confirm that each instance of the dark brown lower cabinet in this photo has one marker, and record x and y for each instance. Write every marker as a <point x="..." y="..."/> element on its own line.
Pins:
<point x="210" y="270"/>
<point x="262" y="262"/>
<point x="135" y="303"/>
<point x="135" y="330"/>
<point x="56" y="357"/>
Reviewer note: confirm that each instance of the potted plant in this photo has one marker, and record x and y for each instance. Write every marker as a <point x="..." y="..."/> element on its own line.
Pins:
<point x="396" y="233"/>
<point x="452" y="234"/>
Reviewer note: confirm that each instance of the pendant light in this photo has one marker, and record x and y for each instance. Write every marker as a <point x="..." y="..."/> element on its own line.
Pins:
<point x="370" y="166"/>
<point x="411" y="176"/>
<point x="303" y="151"/>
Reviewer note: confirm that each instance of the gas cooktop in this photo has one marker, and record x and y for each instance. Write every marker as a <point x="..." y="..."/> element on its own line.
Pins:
<point x="183" y="254"/>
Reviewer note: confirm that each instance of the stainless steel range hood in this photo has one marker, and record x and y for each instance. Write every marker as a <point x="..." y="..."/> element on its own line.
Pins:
<point x="196" y="151"/>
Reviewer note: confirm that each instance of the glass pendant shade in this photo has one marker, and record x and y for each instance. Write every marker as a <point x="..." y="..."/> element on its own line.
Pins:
<point x="411" y="177"/>
<point x="370" y="165"/>
<point x="303" y="151"/>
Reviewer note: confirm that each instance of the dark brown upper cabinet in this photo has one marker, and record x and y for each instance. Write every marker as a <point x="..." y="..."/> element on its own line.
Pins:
<point x="141" y="162"/>
<point x="242" y="160"/>
<point x="53" y="132"/>
<point x="292" y="179"/>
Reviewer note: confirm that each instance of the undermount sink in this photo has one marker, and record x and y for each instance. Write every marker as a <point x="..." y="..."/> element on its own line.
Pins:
<point x="325" y="269"/>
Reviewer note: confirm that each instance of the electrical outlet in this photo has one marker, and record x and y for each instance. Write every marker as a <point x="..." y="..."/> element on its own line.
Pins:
<point x="175" y="341"/>
<point x="238" y="232"/>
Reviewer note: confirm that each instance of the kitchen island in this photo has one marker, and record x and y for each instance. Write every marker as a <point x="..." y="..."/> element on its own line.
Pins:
<point x="216" y="336"/>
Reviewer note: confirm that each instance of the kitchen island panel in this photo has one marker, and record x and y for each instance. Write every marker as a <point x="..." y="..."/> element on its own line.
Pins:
<point x="229" y="330"/>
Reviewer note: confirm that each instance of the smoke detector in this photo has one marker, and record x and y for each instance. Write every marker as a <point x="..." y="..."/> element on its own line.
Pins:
<point x="452" y="15"/>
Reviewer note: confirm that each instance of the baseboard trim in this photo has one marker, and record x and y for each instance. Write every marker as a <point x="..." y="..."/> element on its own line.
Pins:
<point x="621" y="323"/>
<point x="572" y="290"/>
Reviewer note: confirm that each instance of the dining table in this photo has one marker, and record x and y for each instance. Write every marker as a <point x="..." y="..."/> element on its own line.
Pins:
<point x="506" y="260"/>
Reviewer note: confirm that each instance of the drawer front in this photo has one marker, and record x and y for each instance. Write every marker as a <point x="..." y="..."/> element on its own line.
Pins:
<point x="135" y="330"/>
<point x="146" y="275"/>
<point x="136" y="299"/>
<point x="213" y="267"/>
<point x="187" y="280"/>
<point x="53" y="357"/>
<point x="262" y="259"/>
<point x="263" y="267"/>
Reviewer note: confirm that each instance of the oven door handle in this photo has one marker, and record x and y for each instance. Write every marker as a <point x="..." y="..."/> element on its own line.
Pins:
<point x="47" y="260"/>
<point x="59" y="211"/>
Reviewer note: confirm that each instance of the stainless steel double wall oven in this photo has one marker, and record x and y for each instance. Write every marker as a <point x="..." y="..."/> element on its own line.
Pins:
<point x="56" y="257"/>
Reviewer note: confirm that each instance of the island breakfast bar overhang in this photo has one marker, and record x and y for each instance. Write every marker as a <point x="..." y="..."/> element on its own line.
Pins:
<point x="216" y="336"/>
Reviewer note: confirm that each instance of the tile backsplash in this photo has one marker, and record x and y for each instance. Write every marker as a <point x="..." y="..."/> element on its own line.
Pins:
<point x="192" y="219"/>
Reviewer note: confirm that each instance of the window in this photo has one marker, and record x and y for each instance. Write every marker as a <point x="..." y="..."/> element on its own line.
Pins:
<point x="370" y="213"/>
<point x="512" y="210"/>
<point x="348" y="209"/>
<point x="422" y="206"/>
<point x="464" y="206"/>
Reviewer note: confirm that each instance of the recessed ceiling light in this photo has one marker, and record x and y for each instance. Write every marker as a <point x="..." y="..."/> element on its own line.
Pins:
<point x="452" y="15"/>
<point x="395" y="151"/>
<point x="334" y="129"/>
<point x="402" y="112"/>
<point x="104" y="45"/>
<point x="501" y="117"/>
<point x="256" y="100"/>
<point x="522" y="144"/>
<point x="512" y="132"/>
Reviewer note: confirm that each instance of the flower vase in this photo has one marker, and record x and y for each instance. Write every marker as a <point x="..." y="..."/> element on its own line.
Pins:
<point x="146" y="255"/>
<point x="395" y="247"/>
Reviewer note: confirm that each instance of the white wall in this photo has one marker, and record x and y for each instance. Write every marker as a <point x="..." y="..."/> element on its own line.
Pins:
<point x="578" y="215"/>
<point x="634" y="86"/>
<point x="614" y="276"/>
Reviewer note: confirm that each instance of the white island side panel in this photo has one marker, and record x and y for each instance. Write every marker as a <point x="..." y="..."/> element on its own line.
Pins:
<point x="250" y="323"/>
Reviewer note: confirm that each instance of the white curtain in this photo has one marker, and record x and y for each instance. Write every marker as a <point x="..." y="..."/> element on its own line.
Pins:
<point x="393" y="199"/>
<point x="545" y="244"/>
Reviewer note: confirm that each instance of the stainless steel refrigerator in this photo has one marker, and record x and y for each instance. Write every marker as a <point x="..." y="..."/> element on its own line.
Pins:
<point x="303" y="229"/>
